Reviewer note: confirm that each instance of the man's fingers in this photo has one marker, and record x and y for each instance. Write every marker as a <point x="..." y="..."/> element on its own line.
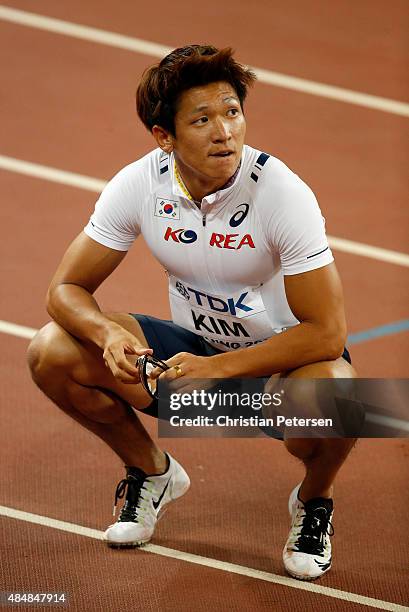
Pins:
<point x="178" y="359"/>
<point x="122" y="361"/>
<point x="139" y="351"/>
<point x="119" y="374"/>
<point x="121" y="367"/>
<point x="125" y="378"/>
<point x="116" y="372"/>
<point x="156" y="372"/>
<point x="172" y="374"/>
<point x="132" y="353"/>
<point x="125" y="365"/>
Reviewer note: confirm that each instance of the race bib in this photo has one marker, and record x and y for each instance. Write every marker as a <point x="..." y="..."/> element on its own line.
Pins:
<point x="227" y="322"/>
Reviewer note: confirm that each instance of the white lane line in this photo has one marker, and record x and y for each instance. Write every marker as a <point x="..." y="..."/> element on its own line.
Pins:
<point x="366" y="250"/>
<point x="145" y="47"/>
<point x="17" y="330"/>
<point x="52" y="174"/>
<point x="386" y="421"/>
<point x="348" y="96"/>
<point x="76" y="30"/>
<point x="208" y="562"/>
<point x="96" y="186"/>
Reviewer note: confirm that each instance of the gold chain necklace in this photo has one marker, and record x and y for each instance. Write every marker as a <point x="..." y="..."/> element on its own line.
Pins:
<point x="181" y="183"/>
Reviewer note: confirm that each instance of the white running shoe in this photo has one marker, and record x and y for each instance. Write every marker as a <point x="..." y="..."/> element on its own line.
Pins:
<point x="307" y="552"/>
<point x="146" y="496"/>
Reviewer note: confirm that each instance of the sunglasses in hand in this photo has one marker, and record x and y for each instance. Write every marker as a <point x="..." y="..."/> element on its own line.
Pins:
<point x="146" y="364"/>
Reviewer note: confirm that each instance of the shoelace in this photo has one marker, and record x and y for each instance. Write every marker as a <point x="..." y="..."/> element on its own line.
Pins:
<point x="316" y="525"/>
<point x="132" y="486"/>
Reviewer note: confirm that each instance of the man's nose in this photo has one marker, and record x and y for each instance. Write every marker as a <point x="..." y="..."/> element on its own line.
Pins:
<point x="221" y="131"/>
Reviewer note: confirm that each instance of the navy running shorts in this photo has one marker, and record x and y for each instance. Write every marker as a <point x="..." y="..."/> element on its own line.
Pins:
<point x="166" y="339"/>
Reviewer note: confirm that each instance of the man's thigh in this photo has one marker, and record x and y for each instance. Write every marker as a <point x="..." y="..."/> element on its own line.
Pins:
<point x="164" y="337"/>
<point x="83" y="361"/>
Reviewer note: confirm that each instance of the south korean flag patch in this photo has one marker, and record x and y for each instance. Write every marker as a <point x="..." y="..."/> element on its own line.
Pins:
<point x="167" y="209"/>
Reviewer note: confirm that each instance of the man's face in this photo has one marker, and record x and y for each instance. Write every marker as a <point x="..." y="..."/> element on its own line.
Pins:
<point x="210" y="129"/>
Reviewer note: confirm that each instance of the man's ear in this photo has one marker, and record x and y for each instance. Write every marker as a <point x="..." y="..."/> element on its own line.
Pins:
<point x="163" y="138"/>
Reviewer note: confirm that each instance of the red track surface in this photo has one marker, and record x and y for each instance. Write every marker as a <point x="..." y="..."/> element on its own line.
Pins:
<point x="69" y="104"/>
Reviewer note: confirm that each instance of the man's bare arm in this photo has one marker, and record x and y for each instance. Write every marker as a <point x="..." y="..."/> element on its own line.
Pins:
<point x="316" y="299"/>
<point x="85" y="265"/>
<point x="70" y="302"/>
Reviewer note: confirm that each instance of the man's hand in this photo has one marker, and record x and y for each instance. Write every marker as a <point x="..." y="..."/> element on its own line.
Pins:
<point x="183" y="367"/>
<point x="120" y="352"/>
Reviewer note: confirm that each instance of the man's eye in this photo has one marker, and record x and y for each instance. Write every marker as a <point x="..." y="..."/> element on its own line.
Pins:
<point x="233" y="111"/>
<point x="201" y="120"/>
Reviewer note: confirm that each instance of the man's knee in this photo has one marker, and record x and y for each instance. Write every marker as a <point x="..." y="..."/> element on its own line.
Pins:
<point x="309" y="449"/>
<point x="303" y="448"/>
<point x="339" y="368"/>
<point x="48" y="353"/>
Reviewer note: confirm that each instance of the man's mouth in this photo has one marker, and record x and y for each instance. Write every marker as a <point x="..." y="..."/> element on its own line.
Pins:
<point x="222" y="154"/>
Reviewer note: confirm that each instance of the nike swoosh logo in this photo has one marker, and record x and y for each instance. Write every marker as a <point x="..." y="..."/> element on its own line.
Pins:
<point x="155" y="504"/>
<point x="323" y="566"/>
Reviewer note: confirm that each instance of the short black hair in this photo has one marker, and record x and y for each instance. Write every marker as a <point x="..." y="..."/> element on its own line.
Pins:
<point x="186" y="67"/>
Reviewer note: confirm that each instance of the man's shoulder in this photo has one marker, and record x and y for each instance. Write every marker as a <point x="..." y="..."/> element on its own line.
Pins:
<point x="137" y="180"/>
<point x="262" y="167"/>
<point x="149" y="167"/>
<point x="274" y="187"/>
<point x="268" y="176"/>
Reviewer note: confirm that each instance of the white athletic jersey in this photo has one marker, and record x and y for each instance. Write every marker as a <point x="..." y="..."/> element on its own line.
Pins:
<point x="226" y="260"/>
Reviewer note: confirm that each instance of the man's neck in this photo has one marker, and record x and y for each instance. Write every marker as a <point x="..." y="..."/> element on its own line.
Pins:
<point x="196" y="190"/>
